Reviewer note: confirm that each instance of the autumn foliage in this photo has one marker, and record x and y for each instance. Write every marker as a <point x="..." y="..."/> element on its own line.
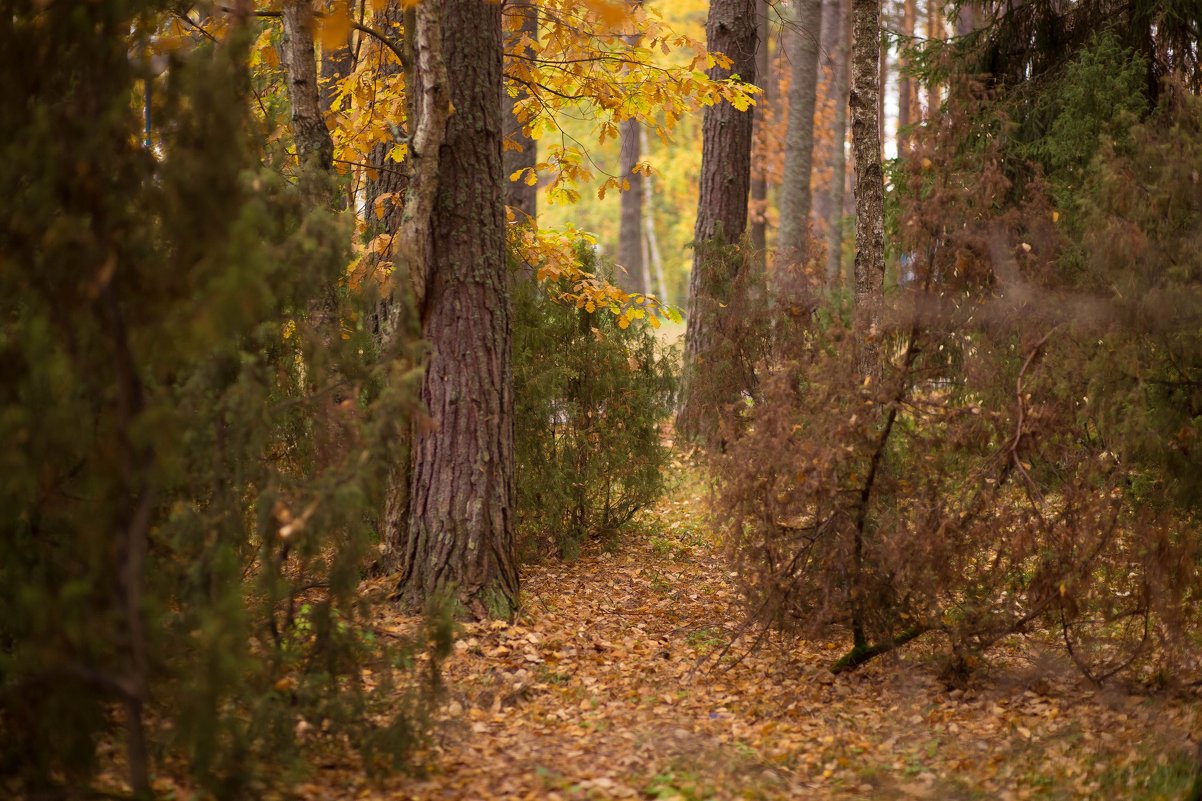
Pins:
<point x="1024" y="462"/>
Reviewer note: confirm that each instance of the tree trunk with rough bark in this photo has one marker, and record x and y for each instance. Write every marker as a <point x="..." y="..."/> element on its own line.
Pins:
<point x="384" y="188"/>
<point x="315" y="152"/>
<point x="869" y="183"/>
<point x="721" y="221"/>
<point x="313" y="142"/>
<point x="458" y="539"/>
<point x="834" y="231"/>
<point x="519" y="152"/>
<point x="759" y="166"/>
<point x="795" y="189"/>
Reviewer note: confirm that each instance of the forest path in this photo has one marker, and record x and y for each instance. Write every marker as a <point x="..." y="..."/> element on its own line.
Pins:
<point x="593" y="694"/>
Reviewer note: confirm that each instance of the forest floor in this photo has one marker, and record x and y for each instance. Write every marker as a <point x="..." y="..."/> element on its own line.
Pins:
<point x="596" y="692"/>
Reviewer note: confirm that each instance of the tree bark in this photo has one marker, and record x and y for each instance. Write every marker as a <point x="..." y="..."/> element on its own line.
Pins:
<point x="795" y="190"/>
<point x="834" y="231"/>
<point x="431" y="110"/>
<point x="882" y="90"/>
<point x="315" y="152"/>
<point x="313" y="142"/>
<point x="630" y="223"/>
<point x="520" y="151"/>
<point x="869" y="185"/>
<point x="824" y="112"/>
<point x="386" y="179"/>
<point x="336" y="64"/>
<point x="630" y="220"/>
<point x="721" y="220"/>
<point x="458" y="540"/>
<point x="409" y="221"/>
<point x="759" y="166"/>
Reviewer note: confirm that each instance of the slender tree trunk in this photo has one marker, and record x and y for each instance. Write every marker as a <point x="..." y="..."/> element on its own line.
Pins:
<point x="630" y="221"/>
<point x="934" y="33"/>
<point x="795" y="195"/>
<point x="882" y="91"/>
<point x="459" y="538"/>
<point x="630" y="230"/>
<point x="384" y="189"/>
<point x="759" y="164"/>
<point x="866" y="70"/>
<point x="824" y="119"/>
<point x="313" y="142"/>
<point x="966" y="19"/>
<point x="655" y="261"/>
<point x="907" y="96"/>
<point x="336" y="64"/>
<point x="869" y="183"/>
<point x="520" y="152"/>
<point x="834" y="231"/>
<point x="721" y="222"/>
<point x="315" y="151"/>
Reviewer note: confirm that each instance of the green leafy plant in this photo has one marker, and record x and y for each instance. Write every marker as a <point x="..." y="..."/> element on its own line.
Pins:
<point x="590" y="398"/>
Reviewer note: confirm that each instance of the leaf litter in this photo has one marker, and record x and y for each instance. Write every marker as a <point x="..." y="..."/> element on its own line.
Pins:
<point x="614" y="682"/>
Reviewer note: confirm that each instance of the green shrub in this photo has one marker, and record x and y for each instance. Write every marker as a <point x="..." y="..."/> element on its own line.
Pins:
<point x="590" y="398"/>
<point x="185" y="472"/>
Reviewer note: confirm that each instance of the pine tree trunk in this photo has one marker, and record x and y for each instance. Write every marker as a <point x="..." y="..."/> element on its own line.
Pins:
<point x="795" y="194"/>
<point x="721" y="221"/>
<point x="459" y="540"/>
<point x="834" y="231"/>
<point x="522" y="151"/>
<point x="759" y="165"/>
<point x="869" y="183"/>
